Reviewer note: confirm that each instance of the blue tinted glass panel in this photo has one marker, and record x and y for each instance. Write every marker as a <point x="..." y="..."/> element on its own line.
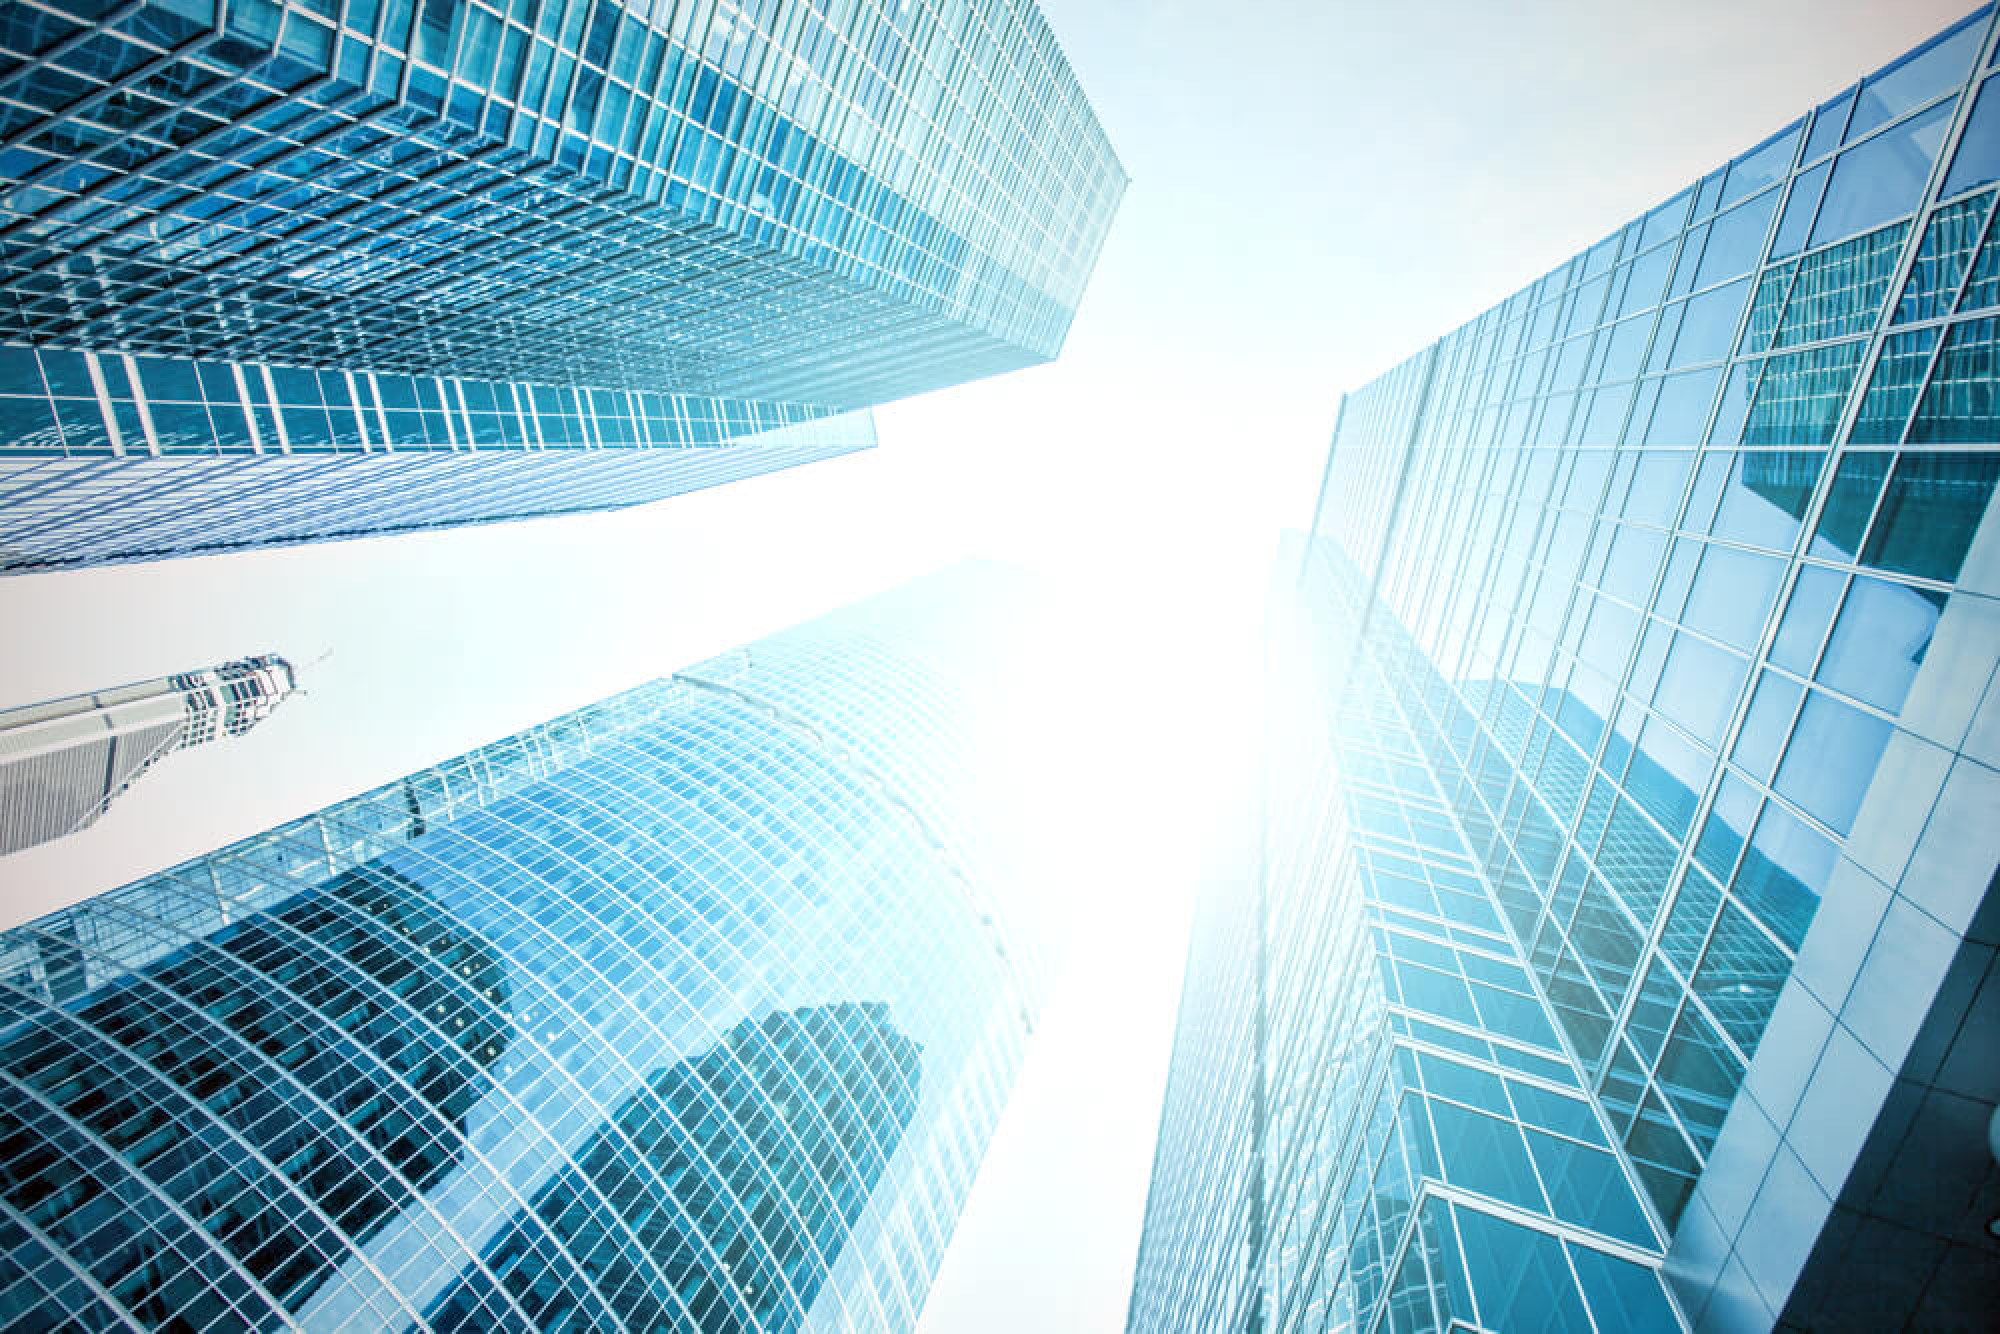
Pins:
<point x="1799" y="206"/>
<point x="1767" y="725"/>
<point x="1809" y="610"/>
<point x="1950" y="238"/>
<point x="1666" y="1165"/>
<point x="1519" y="1276"/>
<point x="1931" y="70"/>
<point x="1801" y="394"/>
<point x="1899" y="372"/>
<point x="1623" y="1296"/>
<point x="1700" y="1076"/>
<point x="1962" y="404"/>
<point x="1839" y="291"/>
<point x="1740" y="977"/>
<point x="1882" y="179"/>
<point x="1764" y="165"/>
<point x="1929" y="513"/>
<point x="1978" y="160"/>
<point x="1767" y="496"/>
<point x="1833" y="753"/>
<point x="1879" y="642"/>
<point x="1849" y="503"/>
<point x="1784" y="872"/>
<point x="1587" y="1186"/>
<point x="1681" y="414"/>
<point x="1732" y="595"/>
<point x="1736" y="240"/>
<point x="1665" y="220"/>
<point x="1829" y="125"/>
<point x="1486" y="1155"/>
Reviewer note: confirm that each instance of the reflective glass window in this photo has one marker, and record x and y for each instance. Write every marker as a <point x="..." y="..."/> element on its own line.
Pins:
<point x="1708" y="325"/>
<point x="1881" y="179"/>
<point x="1736" y="240"/>
<point x="1665" y="220"/>
<point x="1735" y="407"/>
<point x="1680" y="413"/>
<point x="1815" y="593"/>
<point x="1879" y="642"/>
<point x="1800" y="205"/>
<point x="1740" y="977"/>
<point x="1929" y="512"/>
<point x="1767" y="725"/>
<point x="1698" y="687"/>
<point x="1978" y="160"/>
<point x="1950" y="238"/>
<point x="1838" y="291"/>
<point x="1732" y="595"/>
<point x="1519" y="1276"/>
<point x="1931" y="70"/>
<point x="1666" y="1165"/>
<point x="1657" y="485"/>
<point x="1829" y="124"/>
<point x="1622" y="1295"/>
<point x="1700" y="1076"/>
<point x="1589" y="1187"/>
<point x="1767" y="496"/>
<point x="1727" y="828"/>
<point x="1962" y="404"/>
<point x="1801" y="395"/>
<point x="1783" y="873"/>
<point x="1486" y="1155"/>
<point x="1892" y="390"/>
<point x="1763" y="165"/>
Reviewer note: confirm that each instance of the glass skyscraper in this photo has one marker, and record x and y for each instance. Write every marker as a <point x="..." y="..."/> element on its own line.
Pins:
<point x="1622" y="953"/>
<point x="282" y="270"/>
<point x="691" y="1010"/>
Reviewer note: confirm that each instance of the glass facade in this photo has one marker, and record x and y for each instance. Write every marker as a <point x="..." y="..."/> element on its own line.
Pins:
<point x="691" y="1010"/>
<point x="239" y="229"/>
<point x="1643" y="645"/>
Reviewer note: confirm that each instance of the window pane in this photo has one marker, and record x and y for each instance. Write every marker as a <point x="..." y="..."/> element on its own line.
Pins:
<point x="1899" y="373"/>
<point x="1767" y="496"/>
<point x="1949" y="240"/>
<point x="1978" y="159"/>
<point x="1740" y="977"/>
<point x="1814" y="596"/>
<point x="1882" y="178"/>
<point x="1928" y="516"/>
<point x="1800" y="398"/>
<point x="1962" y="405"/>
<point x="1879" y="642"/>
<point x="1783" y="873"/>
<point x="1938" y="65"/>
<point x="1833" y="753"/>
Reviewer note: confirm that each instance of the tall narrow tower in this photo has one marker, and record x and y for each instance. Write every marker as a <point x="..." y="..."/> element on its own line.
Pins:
<point x="62" y="763"/>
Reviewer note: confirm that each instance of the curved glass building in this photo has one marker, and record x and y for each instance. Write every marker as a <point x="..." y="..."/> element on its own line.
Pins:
<point x="691" y="1010"/>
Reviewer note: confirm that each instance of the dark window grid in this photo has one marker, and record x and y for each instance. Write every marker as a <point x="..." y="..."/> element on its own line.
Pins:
<point x="162" y="1201"/>
<point x="179" y="1009"/>
<point x="154" y="61"/>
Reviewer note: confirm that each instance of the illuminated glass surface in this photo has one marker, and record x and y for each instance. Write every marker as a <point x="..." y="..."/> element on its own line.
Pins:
<point x="1617" y="597"/>
<point x="272" y="227"/>
<point x="690" y="1010"/>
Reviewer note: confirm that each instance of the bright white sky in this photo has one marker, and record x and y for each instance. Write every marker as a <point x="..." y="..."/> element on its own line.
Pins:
<point x="1320" y="187"/>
